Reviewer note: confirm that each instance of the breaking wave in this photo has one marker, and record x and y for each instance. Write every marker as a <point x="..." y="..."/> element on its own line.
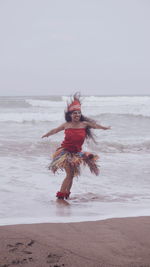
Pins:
<point x="49" y="146"/>
<point x="36" y="117"/>
<point x="30" y="117"/>
<point x="118" y="147"/>
<point x="44" y="103"/>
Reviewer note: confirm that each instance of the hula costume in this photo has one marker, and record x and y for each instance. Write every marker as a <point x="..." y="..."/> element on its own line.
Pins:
<point x="70" y="153"/>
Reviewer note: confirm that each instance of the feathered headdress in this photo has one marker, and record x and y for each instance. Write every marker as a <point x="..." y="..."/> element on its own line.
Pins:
<point x="75" y="104"/>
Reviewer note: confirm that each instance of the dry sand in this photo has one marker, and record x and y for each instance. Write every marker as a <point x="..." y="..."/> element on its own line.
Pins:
<point x="112" y="242"/>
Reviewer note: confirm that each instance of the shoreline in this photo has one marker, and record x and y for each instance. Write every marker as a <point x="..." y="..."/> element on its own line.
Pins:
<point x="46" y="220"/>
<point x="110" y="242"/>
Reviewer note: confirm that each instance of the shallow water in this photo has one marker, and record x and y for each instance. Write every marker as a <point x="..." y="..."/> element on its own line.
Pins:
<point x="27" y="192"/>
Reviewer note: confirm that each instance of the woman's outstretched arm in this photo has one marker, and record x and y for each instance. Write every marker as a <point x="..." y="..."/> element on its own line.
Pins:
<point x="54" y="131"/>
<point x="95" y="125"/>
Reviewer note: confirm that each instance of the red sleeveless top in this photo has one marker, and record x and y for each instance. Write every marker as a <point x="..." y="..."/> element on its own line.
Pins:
<point x="74" y="139"/>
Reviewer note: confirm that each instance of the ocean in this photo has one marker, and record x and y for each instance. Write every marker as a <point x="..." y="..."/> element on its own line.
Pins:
<point x="28" y="188"/>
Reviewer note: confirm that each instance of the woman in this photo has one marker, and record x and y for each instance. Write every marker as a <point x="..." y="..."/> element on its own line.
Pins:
<point x="69" y="156"/>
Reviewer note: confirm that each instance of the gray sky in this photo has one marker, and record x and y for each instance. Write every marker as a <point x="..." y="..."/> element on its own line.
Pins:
<point x="62" y="46"/>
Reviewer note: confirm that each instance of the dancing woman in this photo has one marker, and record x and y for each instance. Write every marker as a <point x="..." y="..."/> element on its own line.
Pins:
<point x="69" y="155"/>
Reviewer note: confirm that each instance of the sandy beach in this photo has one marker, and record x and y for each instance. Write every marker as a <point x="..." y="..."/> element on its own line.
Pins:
<point x="112" y="242"/>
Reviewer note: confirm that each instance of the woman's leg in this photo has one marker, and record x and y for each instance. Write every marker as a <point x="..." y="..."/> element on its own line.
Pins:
<point x="67" y="183"/>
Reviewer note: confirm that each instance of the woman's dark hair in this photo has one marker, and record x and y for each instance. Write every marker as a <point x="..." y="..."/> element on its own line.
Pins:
<point x="89" y="134"/>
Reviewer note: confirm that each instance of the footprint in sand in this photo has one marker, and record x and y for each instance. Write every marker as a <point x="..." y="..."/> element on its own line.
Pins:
<point x="18" y="245"/>
<point x="52" y="258"/>
<point x="16" y="262"/>
<point x="26" y="252"/>
<point x="17" y="249"/>
<point x="14" y="247"/>
<point x="31" y="243"/>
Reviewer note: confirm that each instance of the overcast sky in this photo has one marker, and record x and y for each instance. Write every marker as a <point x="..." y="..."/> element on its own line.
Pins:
<point x="97" y="47"/>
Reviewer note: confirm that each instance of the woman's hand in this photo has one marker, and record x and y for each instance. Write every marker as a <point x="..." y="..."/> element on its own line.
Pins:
<point x="45" y="135"/>
<point x="107" y="128"/>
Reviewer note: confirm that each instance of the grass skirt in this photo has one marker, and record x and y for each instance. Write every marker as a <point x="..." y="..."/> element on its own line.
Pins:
<point x="63" y="158"/>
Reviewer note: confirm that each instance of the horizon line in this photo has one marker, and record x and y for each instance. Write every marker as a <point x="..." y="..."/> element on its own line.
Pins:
<point x="55" y="95"/>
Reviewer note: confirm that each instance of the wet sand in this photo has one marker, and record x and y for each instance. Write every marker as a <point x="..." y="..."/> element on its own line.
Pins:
<point x="112" y="242"/>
